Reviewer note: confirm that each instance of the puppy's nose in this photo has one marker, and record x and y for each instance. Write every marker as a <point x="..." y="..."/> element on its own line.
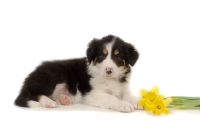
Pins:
<point x="109" y="70"/>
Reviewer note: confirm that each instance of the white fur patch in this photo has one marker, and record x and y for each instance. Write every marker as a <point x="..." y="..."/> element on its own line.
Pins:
<point x="61" y="89"/>
<point x="77" y="98"/>
<point x="32" y="103"/>
<point x="110" y="93"/>
<point x="47" y="102"/>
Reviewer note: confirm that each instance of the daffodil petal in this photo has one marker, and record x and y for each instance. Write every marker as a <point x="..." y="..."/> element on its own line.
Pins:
<point x="155" y="89"/>
<point x="161" y="97"/>
<point x="142" y="102"/>
<point x="143" y="92"/>
<point x="166" y="111"/>
<point x="167" y="101"/>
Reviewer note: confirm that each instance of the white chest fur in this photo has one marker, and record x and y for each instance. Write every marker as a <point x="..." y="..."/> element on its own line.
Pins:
<point x="108" y="85"/>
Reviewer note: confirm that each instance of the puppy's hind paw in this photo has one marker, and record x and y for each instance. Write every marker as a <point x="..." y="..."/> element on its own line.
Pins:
<point x="64" y="100"/>
<point x="47" y="102"/>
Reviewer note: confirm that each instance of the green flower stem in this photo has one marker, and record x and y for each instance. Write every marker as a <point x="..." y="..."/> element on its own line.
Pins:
<point x="184" y="107"/>
<point x="185" y="97"/>
<point x="183" y="102"/>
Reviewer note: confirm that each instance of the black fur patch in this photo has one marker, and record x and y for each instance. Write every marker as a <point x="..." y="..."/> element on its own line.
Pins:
<point x="123" y="78"/>
<point x="127" y="52"/>
<point x="96" y="47"/>
<point x="43" y="80"/>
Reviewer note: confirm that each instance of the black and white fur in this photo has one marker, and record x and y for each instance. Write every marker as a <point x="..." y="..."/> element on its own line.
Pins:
<point x="101" y="79"/>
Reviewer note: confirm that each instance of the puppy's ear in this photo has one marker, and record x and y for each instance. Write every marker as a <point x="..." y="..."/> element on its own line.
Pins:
<point x="91" y="50"/>
<point x="132" y="54"/>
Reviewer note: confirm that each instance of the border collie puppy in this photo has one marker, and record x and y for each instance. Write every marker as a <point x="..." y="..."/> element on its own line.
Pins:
<point x="101" y="79"/>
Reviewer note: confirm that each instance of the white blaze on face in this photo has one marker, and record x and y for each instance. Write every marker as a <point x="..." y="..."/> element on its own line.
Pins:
<point x="108" y="63"/>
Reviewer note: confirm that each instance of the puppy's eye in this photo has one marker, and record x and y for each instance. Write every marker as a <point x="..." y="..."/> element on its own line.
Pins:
<point x="118" y="56"/>
<point x="102" y="55"/>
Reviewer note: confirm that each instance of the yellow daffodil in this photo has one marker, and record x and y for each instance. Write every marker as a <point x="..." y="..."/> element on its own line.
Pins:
<point x="153" y="101"/>
<point x="159" y="107"/>
<point x="143" y="92"/>
<point x="149" y="97"/>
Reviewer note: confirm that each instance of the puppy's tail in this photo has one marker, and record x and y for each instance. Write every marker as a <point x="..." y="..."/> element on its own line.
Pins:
<point x="23" y="100"/>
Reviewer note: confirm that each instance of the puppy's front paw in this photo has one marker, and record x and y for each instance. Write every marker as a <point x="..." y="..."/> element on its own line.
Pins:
<point x="125" y="107"/>
<point x="136" y="106"/>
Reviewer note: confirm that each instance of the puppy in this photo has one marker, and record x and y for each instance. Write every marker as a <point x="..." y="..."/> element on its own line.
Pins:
<point x="101" y="79"/>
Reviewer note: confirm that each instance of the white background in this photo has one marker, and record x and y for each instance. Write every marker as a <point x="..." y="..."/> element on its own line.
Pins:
<point x="165" y="32"/>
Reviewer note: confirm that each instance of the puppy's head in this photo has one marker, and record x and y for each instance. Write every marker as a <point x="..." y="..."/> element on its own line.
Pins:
<point x="111" y="56"/>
